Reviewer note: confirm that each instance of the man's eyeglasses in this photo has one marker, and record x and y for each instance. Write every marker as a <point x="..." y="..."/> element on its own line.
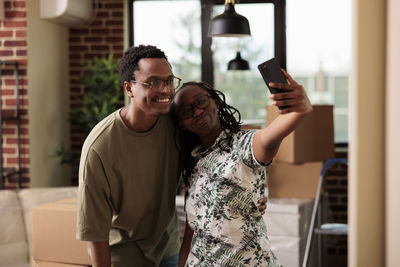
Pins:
<point x="200" y="103"/>
<point x="155" y="84"/>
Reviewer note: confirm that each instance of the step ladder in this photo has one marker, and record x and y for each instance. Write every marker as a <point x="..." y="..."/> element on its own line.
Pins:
<point x="322" y="228"/>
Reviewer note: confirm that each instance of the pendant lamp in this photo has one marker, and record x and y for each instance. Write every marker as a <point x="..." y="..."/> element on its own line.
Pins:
<point x="229" y="23"/>
<point x="238" y="63"/>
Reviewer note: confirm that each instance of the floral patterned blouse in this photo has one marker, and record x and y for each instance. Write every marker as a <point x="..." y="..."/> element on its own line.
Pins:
<point x="222" y="207"/>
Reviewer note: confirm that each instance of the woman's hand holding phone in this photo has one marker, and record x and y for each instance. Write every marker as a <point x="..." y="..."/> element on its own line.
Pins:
<point x="286" y="93"/>
<point x="295" y="98"/>
<point x="271" y="72"/>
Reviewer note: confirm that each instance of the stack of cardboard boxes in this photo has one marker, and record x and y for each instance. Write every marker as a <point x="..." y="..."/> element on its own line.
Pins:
<point x="53" y="236"/>
<point x="292" y="182"/>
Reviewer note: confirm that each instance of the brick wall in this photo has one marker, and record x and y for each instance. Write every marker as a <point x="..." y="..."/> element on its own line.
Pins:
<point x="13" y="47"/>
<point x="99" y="39"/>
<point x="335" y="210"/>
<point x="102" y="37"/>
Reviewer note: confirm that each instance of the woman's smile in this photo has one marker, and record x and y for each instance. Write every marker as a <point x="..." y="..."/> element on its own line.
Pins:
<point x="201" y="121"/>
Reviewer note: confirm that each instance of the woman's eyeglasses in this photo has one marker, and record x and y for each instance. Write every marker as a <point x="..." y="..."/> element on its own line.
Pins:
<point x="172" y="83"/>
<point x="201" y="103"/>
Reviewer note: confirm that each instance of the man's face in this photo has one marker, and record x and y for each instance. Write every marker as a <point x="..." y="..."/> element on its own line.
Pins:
<point x="151" y="101"/>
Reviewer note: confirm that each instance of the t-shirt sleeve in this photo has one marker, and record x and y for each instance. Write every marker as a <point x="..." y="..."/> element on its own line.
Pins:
<point x="246" y="151"/>
<point x="94" y="206"/>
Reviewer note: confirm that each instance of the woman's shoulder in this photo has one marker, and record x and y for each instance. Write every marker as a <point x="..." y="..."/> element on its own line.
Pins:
<point x="244" y="135"/>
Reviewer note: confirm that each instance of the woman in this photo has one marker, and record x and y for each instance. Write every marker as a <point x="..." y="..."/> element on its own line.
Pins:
<point x="224" y="173"/>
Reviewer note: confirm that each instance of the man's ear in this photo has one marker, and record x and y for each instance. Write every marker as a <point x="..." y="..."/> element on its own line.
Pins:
<point x="128" y="88"/>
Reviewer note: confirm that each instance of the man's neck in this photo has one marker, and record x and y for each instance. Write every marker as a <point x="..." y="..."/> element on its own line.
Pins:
<point x="137" y="122"/>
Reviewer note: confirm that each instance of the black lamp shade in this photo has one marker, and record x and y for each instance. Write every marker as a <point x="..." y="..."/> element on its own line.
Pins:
<point x="229" y="24"/>
<point x="238" y="63"/>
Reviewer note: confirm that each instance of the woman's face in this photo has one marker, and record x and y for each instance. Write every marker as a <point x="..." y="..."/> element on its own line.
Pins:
<point x="197" y="111"/>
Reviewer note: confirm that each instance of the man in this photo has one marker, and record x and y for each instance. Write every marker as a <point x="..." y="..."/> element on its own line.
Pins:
<point x="129" y="171"/>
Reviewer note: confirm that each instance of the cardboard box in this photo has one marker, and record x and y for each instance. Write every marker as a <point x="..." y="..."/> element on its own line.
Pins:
<point x="313" y="139"/>
<point x="35" y="263"/>
<point x="249" y="126"/>
<point x="286" y="180"/>
<point x="53" y="234"/>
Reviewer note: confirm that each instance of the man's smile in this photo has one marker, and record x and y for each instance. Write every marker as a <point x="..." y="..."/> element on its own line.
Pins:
<point x="163" y="99"/>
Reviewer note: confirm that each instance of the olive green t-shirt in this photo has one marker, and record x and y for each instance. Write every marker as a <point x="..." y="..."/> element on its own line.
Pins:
<point x="127" y="185"/>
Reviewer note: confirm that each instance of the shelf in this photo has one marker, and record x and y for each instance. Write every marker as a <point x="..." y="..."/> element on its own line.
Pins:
<point x="332" y="229"/>
<point x="317" y="226"/>
<point x="3" y="175"/>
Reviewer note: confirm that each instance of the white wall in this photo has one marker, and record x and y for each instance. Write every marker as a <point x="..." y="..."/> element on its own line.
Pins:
<point x="393" y="135"/>
<point x="367" y="139"/>
<point x="48" y="96"/>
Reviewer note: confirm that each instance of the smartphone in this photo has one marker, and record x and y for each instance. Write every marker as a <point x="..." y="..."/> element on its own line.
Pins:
<point x="271" y="72"/>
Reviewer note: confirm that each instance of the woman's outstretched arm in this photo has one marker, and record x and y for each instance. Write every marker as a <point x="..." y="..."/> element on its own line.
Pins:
<point x="266" y="142"/>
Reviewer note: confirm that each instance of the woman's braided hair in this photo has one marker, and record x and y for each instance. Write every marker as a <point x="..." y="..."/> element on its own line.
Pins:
<point x="187" y="141"/>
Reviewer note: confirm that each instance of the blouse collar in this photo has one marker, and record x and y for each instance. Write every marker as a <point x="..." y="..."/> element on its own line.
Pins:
<point x="200" y="151"/>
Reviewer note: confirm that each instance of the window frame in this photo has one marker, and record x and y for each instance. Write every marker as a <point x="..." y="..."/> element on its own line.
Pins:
<point x="207" y="66"/>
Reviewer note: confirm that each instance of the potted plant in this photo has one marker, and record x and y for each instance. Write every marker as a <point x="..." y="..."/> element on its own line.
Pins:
<point x="102" y="97"/>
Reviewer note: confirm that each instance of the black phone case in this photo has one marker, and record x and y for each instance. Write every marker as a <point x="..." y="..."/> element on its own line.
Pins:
<point x="271" y="72"/>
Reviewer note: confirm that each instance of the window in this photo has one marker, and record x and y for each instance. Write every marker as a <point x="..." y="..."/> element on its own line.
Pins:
<point x="174" y="27"/>
<point x="178" y="33"/>
<point x="246" y="90"/>
<point x="318" y="48"/>
<point x="319" y="54"/>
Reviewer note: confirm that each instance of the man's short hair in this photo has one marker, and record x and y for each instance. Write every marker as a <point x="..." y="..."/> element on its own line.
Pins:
<point x="129" y="62"/>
